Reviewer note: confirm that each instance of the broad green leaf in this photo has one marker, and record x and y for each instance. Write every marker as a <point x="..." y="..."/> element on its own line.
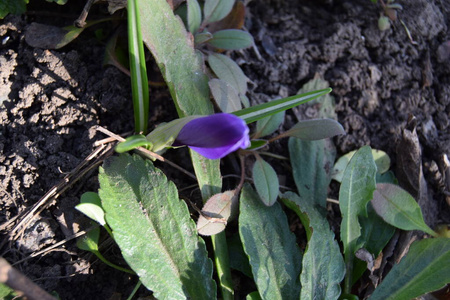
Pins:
<point x="91" y="206"/>
<point x="323" y="265"/>
<point x="231" y="39"/>
<point x="311" y="163"/>
<point x="203" y="37"/>
<point x="269" y="125"/>
<point x="7" y="293"/>
<point x="424" y="269"/>
<point x="244" y="100"/>
<point x="226" y="69"/>
<point x="166" y="37"/>
<point x="216" y="10"/>
<point x="273" y="253"/>
<point x="316" y="129"/>
<point x="15" y="7"/>
<point x="215" y="213"/>
<point x="266" y="182"/>
<point x="154" y="230"/>
<point x="225" y="95"/>
<point x="253" y="296"/>
<point x="194" y="15"/>
<point x="382" y="161"/>
<point x="132" y="142"/>
<point x="356" y="191"/>
<point x="398" y="208"/>
<point x="89" y="241"/>
<point x="261" y="111"/>
<point x="238" y="258"/>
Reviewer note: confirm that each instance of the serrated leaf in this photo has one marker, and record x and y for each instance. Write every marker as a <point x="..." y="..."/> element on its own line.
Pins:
<point x="382" y="161"/>
<point x="89" y="241"/>
<point x="424" y="269"/>
<point x="273" y="253"/>
<point x="323" y="265"/>
<point x="154" y="230"/>
<point x="132" y="142"/>
<point x="261" y="111"/>
<point x="316" y="129"/>
<point x="269" y="125"/>
<point x="166" y="37"/>
<point x="91" y="206"/>
<point x="231" y="39"/>
<point x="356" y="191"/>
<point x="266" y="182"/>
<point x="225" y="95"/>
<point x="226" y="69"/>
<point x="398" y="208"/>
<point x="215" y="213"/>
<point x="311" y="163"/>
<point x="194" y="15"/>
<point x="216" y="10"/>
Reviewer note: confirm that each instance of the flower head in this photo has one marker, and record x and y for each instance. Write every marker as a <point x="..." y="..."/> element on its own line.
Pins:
<point x="214" y="136"/>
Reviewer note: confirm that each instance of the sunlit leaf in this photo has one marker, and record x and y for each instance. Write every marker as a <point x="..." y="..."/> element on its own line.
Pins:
<point x="398" y="208"/>
<point x="269" y="125"/>
<point x="253" y="296"/>
<point x="154" y="230"/>
<point x="424" y="269"/>
<point x="323" y="265"/>
<point x="132" y="142"/>
<point x="91" y="206"/>
<point x="225" y="95"/>
<point x="231" y="39"/>
<point x="215" y="213"/>
<point x="266" y="182"/>
<point x="274" y="255"/>
<point x="216" y="10"/>
<point x="194" y="15"/>
<point x="228" y="70"/>
<point x="260" y="111"/>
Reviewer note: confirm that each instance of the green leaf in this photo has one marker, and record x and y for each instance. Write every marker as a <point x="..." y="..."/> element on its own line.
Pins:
<point x="257" y="144"/>
<point x="382" y="161"/>
<point x="132" y="142"/>
<point x="311" y="161"/>
<point x="398" y="208"/>
<point x="325" y="104"/>
<point x="60" y="2"/>
<point x="91" y="206"/>
<point x="194" y="15"/>
<point x="89" y="241"/>
<point x="203" y="37"/>
<point x="226" y="69"/>
<point x="216" y="10"/>
<point x="424" y="269"/>
<point x="51" y="37"/>
<point x="231" y="39"/>
<point x="238" y="258"/>
<point x="316" y="129"/>
<point x="154" y="230"/>
<point x="261" y="111"/>
<point x="15" y="7"/>
<point x="166" y="37"/>
<point x="269" y="125"/>
<point x="225" y="95"/>
<point x="266" y="181"/>
<point x="274" y="255"/>
<point x="356" y="191"/>
<point x="323" y="265"/>
<point x="253" y="296"/>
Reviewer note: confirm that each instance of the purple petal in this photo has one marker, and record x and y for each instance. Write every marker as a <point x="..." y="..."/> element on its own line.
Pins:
<point x="214" y="136"/>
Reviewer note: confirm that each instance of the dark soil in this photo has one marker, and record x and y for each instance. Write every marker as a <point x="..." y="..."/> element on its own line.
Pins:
<point x="50" y="101"/>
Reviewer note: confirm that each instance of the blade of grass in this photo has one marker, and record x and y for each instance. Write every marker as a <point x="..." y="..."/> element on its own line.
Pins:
<point x="139" y="80"/>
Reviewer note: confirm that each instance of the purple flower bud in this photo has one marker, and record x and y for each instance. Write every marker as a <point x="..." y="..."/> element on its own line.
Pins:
<point x="214" y="136"/>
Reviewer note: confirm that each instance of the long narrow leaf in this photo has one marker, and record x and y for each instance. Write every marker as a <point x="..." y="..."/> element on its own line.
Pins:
<point x="424" y="269"/>
<point x="260" y="111"/>
<point x="154" y="230"/>
<point x="139" y="80"/>
<point x="274" y="256"/>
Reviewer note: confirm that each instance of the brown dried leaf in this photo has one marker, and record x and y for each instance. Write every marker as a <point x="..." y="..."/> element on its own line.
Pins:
<point x="234" y="20"/>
